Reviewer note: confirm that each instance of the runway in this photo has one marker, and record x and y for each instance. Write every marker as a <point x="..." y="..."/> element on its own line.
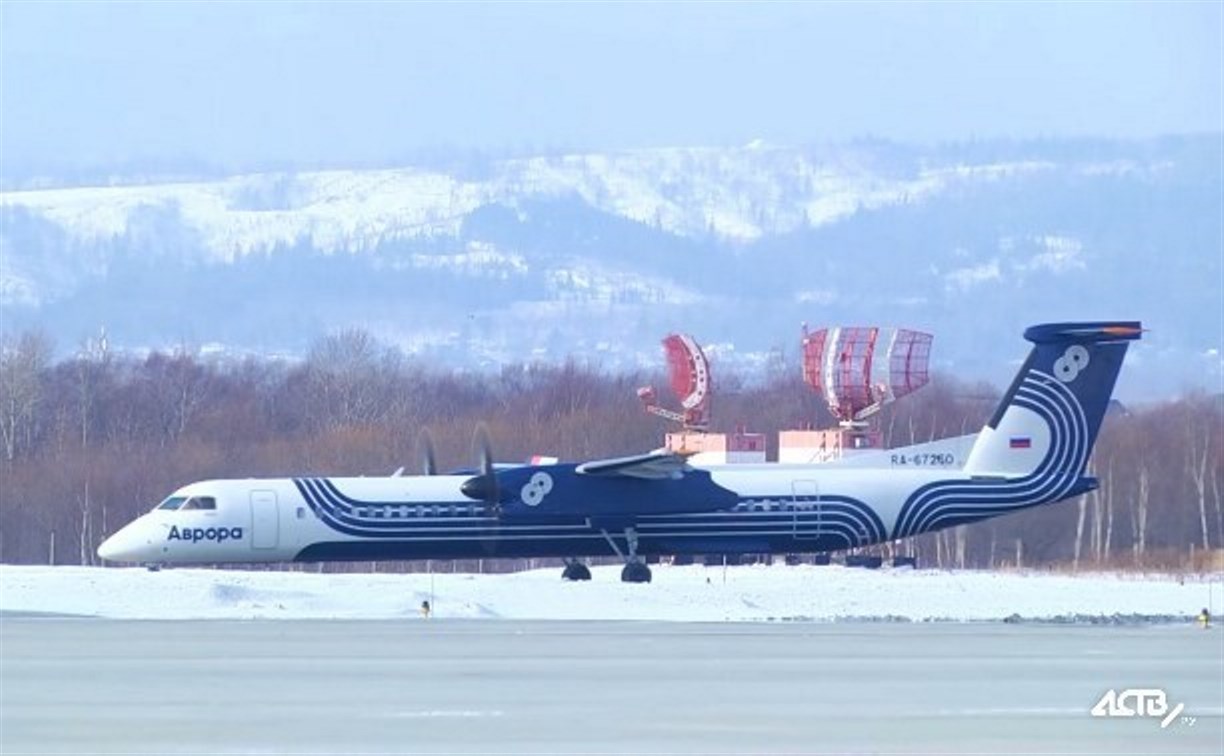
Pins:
<point x="107" y="686"/>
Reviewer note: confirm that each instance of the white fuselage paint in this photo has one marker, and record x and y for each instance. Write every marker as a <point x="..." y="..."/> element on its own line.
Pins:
<point x="268" y="520"/>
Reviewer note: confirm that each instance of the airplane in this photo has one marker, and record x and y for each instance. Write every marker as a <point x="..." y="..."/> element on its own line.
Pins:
<point x="1034" y="450"/>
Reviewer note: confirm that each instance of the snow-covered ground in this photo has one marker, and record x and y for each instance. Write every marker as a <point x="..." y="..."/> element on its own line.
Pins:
<point x="693" y="593"/>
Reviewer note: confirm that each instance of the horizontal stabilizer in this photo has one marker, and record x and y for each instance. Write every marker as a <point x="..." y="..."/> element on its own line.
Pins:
<point x="1085" y="333"/>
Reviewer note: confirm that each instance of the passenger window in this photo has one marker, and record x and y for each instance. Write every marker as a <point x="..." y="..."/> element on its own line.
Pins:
<point x="200" y="502"/>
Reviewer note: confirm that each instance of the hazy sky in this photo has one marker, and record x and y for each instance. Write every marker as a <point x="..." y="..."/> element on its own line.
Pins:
<point x="240" y="84"/>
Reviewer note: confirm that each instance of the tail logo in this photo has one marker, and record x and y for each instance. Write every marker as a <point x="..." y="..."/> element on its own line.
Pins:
<point x="1067" y="368"/>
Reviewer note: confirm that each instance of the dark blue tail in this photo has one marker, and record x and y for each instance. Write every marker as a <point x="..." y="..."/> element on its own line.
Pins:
<point x="1035" y="448"/>
<point x="1057" y="400"/>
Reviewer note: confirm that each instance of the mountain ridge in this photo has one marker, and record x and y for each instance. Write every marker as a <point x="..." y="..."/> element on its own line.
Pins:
<point x="489" y="261"/>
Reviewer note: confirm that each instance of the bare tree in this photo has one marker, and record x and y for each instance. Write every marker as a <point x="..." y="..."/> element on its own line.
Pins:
<point x="92" y="364"/>
<point x="1109" y="514"/>
<point x="177" y="385"/>
<point x="345" y="375"/>
<point x="1079" y="532"/>
<point x="1215" y="495"/>
<point x="21" y="367"/>
<point x="1198" y="454"/>
<point x="1140" y="514"/>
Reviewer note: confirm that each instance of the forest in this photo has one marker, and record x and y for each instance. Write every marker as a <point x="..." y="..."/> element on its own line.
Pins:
<point x="92" y="440"/>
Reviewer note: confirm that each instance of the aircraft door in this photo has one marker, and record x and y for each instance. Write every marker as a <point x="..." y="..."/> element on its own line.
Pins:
<point x="806" y="508"/>
<point x="265" y="520"/>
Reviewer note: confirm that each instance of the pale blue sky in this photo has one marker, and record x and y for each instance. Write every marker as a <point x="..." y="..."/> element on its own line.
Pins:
<point x="242" y="84"/>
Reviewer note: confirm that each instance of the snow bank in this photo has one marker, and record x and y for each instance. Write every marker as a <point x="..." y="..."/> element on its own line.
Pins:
<point x="691" y="593"/>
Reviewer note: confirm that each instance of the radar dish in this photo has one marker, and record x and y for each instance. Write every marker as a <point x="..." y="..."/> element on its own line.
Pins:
<point x="689" y="374"/>
<point x="908" y="357"/>
<point x="840" y="365"/>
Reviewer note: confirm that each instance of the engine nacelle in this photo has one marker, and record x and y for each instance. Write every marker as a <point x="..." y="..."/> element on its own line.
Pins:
<point x="559" y="490"/>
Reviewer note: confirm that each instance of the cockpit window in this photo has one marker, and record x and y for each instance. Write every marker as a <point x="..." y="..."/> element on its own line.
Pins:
<point x="174" y="502"/>
<point x="200" y="502"/>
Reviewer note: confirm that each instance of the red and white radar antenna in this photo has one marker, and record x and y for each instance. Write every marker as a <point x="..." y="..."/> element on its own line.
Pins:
<point x="690" y="381"/>
<point x="840" y="364"/>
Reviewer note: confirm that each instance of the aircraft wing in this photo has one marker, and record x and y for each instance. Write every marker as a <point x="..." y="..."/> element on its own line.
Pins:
<point x="618" y="490"/>
<point x="658" y="465"/>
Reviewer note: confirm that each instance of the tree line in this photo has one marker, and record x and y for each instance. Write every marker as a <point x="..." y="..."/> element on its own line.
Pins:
<point x="92" y="440"/>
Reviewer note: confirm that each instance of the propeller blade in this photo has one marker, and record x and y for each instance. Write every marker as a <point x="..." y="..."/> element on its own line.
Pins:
<point x="484" y="449"/>
<point x="482" y="487"/>
<point x="425" y="451"/>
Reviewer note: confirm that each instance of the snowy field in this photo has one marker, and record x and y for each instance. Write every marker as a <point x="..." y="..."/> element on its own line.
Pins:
<point x="690" y="593"/>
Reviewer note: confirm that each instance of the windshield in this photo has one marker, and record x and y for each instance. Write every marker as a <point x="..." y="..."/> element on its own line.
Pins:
<point x="174" y="502"/>
<point x="200" y="502"/>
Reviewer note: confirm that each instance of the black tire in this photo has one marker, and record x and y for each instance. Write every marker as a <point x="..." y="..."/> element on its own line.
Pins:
<point x="576" y="571"/>
<point x="635" y="572"/>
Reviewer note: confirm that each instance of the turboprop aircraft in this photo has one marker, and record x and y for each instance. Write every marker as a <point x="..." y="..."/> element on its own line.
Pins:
<point x="1033" y="451"/>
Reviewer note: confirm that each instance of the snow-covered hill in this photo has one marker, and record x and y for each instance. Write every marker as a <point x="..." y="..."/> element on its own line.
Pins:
<point x="692" y="593"/>
<point x="736" y="195"/>
<point x="480" y="261"/>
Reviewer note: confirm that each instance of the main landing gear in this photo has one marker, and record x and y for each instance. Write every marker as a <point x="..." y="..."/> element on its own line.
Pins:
<point x="635" y="570"/>
<point x="575" y="570"/>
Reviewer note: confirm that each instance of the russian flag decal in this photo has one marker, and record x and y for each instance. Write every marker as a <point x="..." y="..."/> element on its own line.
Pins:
<point x="1020" y="442"/>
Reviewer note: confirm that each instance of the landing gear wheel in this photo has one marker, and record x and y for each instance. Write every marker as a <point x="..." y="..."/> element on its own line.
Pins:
<point x="635" y="572"/>
<point x="576" y="571"/>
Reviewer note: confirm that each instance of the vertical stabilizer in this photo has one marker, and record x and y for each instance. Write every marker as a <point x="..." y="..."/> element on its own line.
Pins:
<point x="1034" y="450"/>
<point x="1049" y="418"/>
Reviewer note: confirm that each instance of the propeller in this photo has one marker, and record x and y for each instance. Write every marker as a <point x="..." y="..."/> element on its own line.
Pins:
<point x="482" y="487"/>
<point x="425" y="452"/>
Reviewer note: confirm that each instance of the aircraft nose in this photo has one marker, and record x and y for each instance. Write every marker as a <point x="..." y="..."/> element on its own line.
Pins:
<point x="109" y="549"/>
<point x="124" y="546"/>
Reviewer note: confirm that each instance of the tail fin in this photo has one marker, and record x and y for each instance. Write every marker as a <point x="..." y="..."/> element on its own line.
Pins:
<point x="1049" y="418"/>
